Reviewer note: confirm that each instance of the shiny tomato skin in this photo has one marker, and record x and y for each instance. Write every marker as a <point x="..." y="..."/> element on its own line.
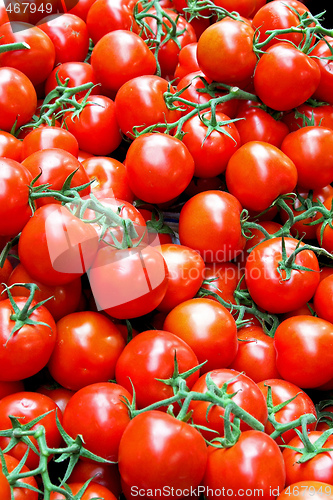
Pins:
<point x="4" y="487"/>
<point x="32" y="344"/>
<point x="298" y="76"/>
<point x="208" y="328"/>
<point x="37" y="62"/>
<point x="65" y="298"/>
<point x="323" y="299"/>
<point x="248" y="397"/>
<point x="150" y="356"/>
<point x="78" y="74"/>
<point x="44" y="250"/>
<point x="26" y="406"/>
<point x="304" y="341"/>
<point x="60" y="395"/>
<point x="96" y="128"/>
<point x="18" y="98"/>
<point x="210" y="223"/>
<point x="20" y="493"/>
<point x="325" y="237"/>
<point x="49" y="138"/>
<point x="159" y="167"/>
<point x="310" y="490"/>
<point x="185" y="270"/>
<point x="69" y="35"/>
<point x="268" y="288"/>
<point x="103" y="473"/>
<point x="260" y="168"/>
<point x="256" y="355"/>
<point x="105" y="411"/>
<point x="145" y="462"/>
<point x="226" y="276"/>
<point x="79" y="360"/>
<point x="225" y="51"/>
<point x="130" y="55"/>
<point x="140" y="103"/>
<point x="310" y="148"/>
<point x="110" y="178"/>
<point x="255" y="460"/>
<point x="122" y="287"/>
<point x="282" y="391"/>
<point x="10" y="147"/>
<point x="92" y="492"/>
<point x="14" y="210"/>
<point x="321" y="50"/>
<point x="187" y="61"/>
<point x="322" y="115"/>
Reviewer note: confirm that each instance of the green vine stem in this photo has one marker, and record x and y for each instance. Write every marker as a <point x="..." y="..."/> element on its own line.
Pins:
<point x="9" y="47"/>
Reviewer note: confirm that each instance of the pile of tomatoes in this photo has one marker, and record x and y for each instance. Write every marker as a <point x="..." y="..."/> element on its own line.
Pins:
<point x="166" y="238"/>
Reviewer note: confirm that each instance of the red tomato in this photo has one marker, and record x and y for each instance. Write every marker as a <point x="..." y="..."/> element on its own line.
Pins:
<point x="49" y="138"/>
<point x="23" y="107"/>
<point x="31" y="344"/>
<point x="208" y="328"/>
<point x="105" y="413"/>
<point x="5" y="272"/>
<point x="19" y="492"/>
<point x="69" y="35"/>
<point x="56" y="165"/>
<point x="96" y="128"/>
<point x="10" y="147"/>
<point x="7" y="388"/>
<point x="155" y="237"/>
<point x="87" y="349"/>
<point x="26" y="406"/>
<point x="78" y="74"/>
<point x="59" y="395"/>
<point x="255" y="124"/>
<point x="311" y="150"/>
<point x="140" y="103"/>
<point x="256" y="237"/>
<point x="81" y="9"/>
<point x="258" y="173"/>
<point x="268" y="283"/>
<point x="282" y="391"/>
<point x="103" y="473"/>
<point x="185" y="274"/>
<point x="128" y="283"/>
<point x="246" y="395"/>
<point x="145" y="465"/>
<point x="308" y="490"/>
<point x="323" y="299"/>
<point x="130" y="56"/>
<point x="150" y="356"/>
<point x="92" y="492"/>
<point x="64" y="298"/>
<point x="325" y="237"/>
<point x="304" y="341"/>
<point x="254" y="464"/>
<point x="256" y="355"/>
<point x="226" y="277"/>
<point x="37" y="62"/>
<point x="210" y="223"/>
<point x="110" y="178"/>
<point x="187" y="61"/>
<point x="225" y="51"/>
<point x="298" y="76"/>
<point x="321" y="51"/>
<point x="4" y="487"/>
<point x="159" y="167"/>
<point x="105" y="16"/>
<point x="321" y="115"/>
<point x="56" y="247"/>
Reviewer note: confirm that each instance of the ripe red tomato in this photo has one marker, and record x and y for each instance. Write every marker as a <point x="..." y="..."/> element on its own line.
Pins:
<point x="185" y="274"/>
<point x="81" y="359"/>
<point x="49" y="138"/>
<point x="253" y="464"/>
<point x="159" y="167"/>
<point x="20" y="493"/>
<point x="22" y="108"/>
<point x="208" y="328"/>
<point x="150" y="356"/>
<point x="105" y="413"/>
<point x="59" y="395"/>
<point x="10" y="147"/>
<point x="105" y="16"/>
<point x="323" y="299"/>
<point x="4" y="487"/>
<point x="31" y="344"/>
<point x="37" y="62"/>
<point x="226" y="277"/>
<point x="210" y="223"/>
<point x="144" y="465"/>
<point x="26" y="406"/>
<point x="225" y="51"/>
<point x="103" y="473"/>
<point x="247" y="395"/>
<point x="92" y="492"/>
<point x="304" y="341"/>
<point x="310" y="148"/>
<point x="325" y="237"/>
<point x="7" y="388"/>
<point x="128" y="283"/>
<point x="267" y="282"/>
<point x="187" y="61"/>
<point x="322" y="51"/>
<point x="96" y="128"/>
<point x="78" y="73"/>
<point x="139" y="102"/>
<point x="257" y="173"/>
<point x="130" y="57"/>
<point x="56" y="247"/>
<point x="322" y="115"/>
<point x="297" y="75"/>
<point x="301" y="403"/>
<point x="69" y="35"/>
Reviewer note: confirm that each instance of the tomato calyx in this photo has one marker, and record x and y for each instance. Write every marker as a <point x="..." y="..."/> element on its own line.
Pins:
<point x="21" y="317"/>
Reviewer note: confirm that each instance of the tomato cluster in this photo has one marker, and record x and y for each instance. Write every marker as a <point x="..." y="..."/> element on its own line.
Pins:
<point x="166" y="237"/>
